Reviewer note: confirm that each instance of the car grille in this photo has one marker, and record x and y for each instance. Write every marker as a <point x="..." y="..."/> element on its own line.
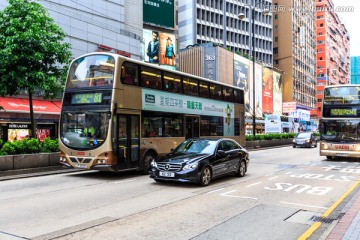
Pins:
<point x="80" y="160"/>
<point x="172" y="167"/>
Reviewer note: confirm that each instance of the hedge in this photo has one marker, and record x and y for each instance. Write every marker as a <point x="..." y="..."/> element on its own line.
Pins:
<point x="270" y="136"/>
<point x="27" y="146"/>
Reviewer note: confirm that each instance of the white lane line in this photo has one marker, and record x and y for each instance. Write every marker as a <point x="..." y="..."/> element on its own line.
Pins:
<point x="126" y="181"/>
<point x="253" y="184"/>
<point x="228" y="195"/>
<point x="288" y="173"/>
<point x="272" y="178"/>
<point x="216" y="190"/>
<point x="302" y="205"/>
<point x="269" y="174"/>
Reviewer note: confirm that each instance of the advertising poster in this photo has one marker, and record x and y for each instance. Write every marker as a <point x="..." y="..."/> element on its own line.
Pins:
<point x="273" y="124"/>
<point x="42" y="134"/>
<point x="152" y="46"/>
<point x="241" y="77"/>
<point x="277" y="93"/>
<point x="267" y="91"/>
<point x="17" y="134"/>
<point x="167" y="49"/>
<point x="258" y="90"/>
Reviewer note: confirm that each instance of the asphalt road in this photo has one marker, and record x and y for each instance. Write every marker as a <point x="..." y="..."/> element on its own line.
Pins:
<point x="283" y="191"/>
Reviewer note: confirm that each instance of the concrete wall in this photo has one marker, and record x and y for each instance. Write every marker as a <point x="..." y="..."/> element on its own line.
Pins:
<point x="13" y="162"/>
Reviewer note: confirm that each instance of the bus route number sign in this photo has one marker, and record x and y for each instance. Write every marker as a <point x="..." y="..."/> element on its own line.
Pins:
<point x="342" y="112"/>
<point x="86" y="98"/>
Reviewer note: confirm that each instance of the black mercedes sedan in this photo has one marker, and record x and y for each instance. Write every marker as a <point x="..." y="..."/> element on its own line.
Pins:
<point x="200" y="160"/>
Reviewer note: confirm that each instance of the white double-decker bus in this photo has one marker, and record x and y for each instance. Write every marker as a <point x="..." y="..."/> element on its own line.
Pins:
<point x="340" y="122"/>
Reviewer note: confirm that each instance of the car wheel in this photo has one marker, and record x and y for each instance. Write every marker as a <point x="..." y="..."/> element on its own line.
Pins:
<point x="241" y="170"/>
<point x="294" y="146"/>
<point x="149" y="157"/>
<point x="328" y="157"/>
<point x="205" y="176"/>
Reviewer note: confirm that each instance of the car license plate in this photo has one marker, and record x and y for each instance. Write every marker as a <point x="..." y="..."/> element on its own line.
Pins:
<point x="80" y="165"/>
<point x="342" y="154"/>
<point x="166" y="174"/>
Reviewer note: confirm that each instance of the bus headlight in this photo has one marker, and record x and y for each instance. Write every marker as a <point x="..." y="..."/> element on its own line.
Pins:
<point x="357" y="148"/>
<point x="101" y="161"/>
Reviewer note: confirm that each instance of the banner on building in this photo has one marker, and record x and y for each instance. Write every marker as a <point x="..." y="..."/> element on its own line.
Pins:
<point x="267" y="91"/>
<point x="241" y="77"/>
<point x="273" y="124"/>
<point x="277" y="93"/>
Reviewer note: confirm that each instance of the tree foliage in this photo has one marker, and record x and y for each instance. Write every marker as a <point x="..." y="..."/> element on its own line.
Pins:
<point x="33" y="53"/>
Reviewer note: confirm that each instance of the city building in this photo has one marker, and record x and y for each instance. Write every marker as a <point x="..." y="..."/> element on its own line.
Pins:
<point x="294" y="52"/>
<point x="217" y="21"/>
<point x="333" y="51"/>
<point x="355" y="70"/>
<point x="90" y="25"/>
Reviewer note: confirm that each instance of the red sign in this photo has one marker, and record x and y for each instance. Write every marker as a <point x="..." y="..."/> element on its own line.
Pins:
<point x="342" y="147"/>
<point x="80" y="153"/>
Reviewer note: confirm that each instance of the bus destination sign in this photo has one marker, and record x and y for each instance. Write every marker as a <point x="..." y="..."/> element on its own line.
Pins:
<point x="336" y="112"/>
<point x="86" y="98"/>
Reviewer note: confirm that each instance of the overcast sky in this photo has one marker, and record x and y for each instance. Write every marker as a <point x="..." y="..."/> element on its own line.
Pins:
<point x="352" y="21"/>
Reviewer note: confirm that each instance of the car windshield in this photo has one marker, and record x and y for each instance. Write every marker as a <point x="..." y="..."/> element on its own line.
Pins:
<point x="199" y="146"/>
<point x="303" y="135"/>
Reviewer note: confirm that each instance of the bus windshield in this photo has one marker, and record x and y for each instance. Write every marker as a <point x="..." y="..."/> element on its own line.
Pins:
<point x="340" y="130"/>
<point x="84" y="130"/>
<point x="91" y="71"/>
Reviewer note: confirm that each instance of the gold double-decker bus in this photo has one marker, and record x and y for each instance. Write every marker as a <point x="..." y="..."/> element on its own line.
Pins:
<point x="119" y="113"/>
<point x="340" y="122"/>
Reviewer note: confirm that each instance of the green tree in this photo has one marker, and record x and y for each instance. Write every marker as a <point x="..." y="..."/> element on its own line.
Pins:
<point x="32" y="52"/>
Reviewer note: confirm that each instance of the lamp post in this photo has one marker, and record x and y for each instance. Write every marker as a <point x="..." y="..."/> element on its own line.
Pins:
<point x="241" y="16"/>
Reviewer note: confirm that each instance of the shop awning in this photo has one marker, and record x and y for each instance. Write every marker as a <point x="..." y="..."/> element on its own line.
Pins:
<point x="21" y="105"/>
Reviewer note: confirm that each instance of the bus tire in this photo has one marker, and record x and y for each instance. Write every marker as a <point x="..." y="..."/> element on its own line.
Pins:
<point x="148" y="158"/>
<point x="328" y="157"/>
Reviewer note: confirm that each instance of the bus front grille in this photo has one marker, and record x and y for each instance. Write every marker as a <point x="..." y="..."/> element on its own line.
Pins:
<point x="80" y="160"/>
<point x="172" y="167"/>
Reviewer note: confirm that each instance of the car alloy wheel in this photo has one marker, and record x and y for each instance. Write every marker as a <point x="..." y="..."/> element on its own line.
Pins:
<point x="205" y="176"/>
<point x="149" y="157"/>
<point x="242" y="169"/>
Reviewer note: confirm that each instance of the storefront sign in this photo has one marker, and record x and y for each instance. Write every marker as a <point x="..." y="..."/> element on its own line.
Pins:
<point x="18" y="126"/>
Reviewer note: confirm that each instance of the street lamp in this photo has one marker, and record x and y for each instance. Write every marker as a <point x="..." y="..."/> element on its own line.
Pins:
<point x="241" y="16"/>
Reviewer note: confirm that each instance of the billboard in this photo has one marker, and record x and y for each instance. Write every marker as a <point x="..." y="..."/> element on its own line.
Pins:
<point x="159" y="13"/>
<point x="258" y="90"/>
<point x="267" y="91"/>
<point x="241" y="77"/>
<point x="277" y="93"/>
<point x="273" y="124"/>
<point x="160" y="48"/>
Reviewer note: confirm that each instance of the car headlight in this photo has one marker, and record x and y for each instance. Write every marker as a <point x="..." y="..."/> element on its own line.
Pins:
<point x="190" y="166"/>
<point x="307" y="140"/>
<point x="153" y="164"/>
<point x="294" y="140"/>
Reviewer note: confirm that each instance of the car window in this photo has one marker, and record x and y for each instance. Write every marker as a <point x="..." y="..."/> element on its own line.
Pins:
<point x="231" y="145"/>
<point x="303" y="135"/>
<point x="222" y="146"/>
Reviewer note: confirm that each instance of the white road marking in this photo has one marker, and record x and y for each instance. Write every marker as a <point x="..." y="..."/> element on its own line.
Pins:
<point x="228" y="195"/>
<point x="272" y="178"/>
<point x="269" y="174"/>
<point x="253" y="184"/>
<point x="288" y="173"/>
<point x="216" y="190"/>
<point x="126" y="181"/>
<point x="302" y="205"/>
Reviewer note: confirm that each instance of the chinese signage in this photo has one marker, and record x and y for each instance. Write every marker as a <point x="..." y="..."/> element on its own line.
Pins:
<point x="289" y="107"/>
<point x="210" y="63"/>
<point x="153" y="100"/>
<point x="159" y="13"/>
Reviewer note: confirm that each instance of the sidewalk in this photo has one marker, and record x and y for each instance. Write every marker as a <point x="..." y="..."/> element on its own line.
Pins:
<point x="348" y="227"/>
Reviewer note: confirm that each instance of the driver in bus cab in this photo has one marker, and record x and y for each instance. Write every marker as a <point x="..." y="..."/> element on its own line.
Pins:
<point x="331" y="131"/>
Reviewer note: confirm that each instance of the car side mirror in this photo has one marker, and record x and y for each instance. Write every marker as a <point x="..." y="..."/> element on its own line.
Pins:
<point x="221" y="153"/>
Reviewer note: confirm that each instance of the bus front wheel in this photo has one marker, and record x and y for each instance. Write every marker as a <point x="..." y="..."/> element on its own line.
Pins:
<point x="328" y="157"/>
<point x="148" y="158"/>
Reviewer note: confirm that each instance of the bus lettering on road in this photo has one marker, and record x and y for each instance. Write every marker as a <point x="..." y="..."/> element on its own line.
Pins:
<point x="300" y="188"/>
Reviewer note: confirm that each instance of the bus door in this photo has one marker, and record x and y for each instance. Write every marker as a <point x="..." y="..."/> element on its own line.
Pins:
<point x="128" y="141"/>
<point x="192" y="127"/>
